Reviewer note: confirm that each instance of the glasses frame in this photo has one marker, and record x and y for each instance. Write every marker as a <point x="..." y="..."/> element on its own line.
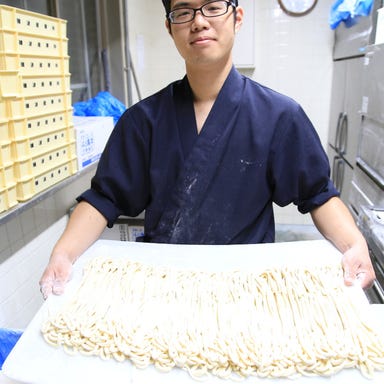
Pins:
<point x="228" y="3"/>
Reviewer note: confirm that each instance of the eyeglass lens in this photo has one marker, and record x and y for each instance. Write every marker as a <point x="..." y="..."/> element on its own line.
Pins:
<point x="212" y="9"/>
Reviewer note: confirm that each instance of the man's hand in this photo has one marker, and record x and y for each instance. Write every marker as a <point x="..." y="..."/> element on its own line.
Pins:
<point x="55" y="276"/>
<point x="358" y="267"/>
<point x="336" y="224"/>
<point x="84" y="227"/>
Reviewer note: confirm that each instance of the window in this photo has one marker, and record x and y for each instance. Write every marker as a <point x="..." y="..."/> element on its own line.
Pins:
<point x="82" y="32"/>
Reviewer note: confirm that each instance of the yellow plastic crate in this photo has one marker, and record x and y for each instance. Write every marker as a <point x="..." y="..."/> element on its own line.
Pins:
<point x="37" y="105"/>
<point x="40" y="124"/>
<point x="34" y="65"/>
<point x="5" y="153"/>
<point x="3" y="110"/>
<point x="31" y="22"/>
<point x="12" y="195"/>
<point x="25" y="107"/>
<point x="8" y="41"/>
<point x="7" y="175"/>
<point x="4" y="131"/>
<point x="8" y="197"/>
<point x="10" y="84"/>
<point x="29" y="45"/>
<point x="45" y="85"/>
<point x="32" y="146"/>
<point x="17" y="124"/>
<point x="51" y="65"/>
<point x="9" y="61"/>
<point x="40" y="163"/>
<point x="33" y="185"/>
<point x="15" y="108"/>
<point x="3" y="200"/>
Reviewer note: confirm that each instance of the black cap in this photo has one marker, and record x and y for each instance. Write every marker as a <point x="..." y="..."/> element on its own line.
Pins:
<point x="167" y="5"/>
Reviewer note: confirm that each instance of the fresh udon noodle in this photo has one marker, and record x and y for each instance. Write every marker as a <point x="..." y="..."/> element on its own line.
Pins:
<point x="284" y="322"/>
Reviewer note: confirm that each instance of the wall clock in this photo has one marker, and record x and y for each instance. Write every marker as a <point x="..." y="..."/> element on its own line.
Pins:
<point x="297" y="7"/>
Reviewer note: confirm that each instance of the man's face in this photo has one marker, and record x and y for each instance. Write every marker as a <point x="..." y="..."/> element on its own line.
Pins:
<point x="203" y="40"/>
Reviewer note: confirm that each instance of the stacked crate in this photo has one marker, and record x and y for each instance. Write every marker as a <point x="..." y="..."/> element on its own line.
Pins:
<point x="36" y="129"/>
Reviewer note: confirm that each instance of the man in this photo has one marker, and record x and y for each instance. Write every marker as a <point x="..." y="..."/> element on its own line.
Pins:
<point x="207" y="156"/>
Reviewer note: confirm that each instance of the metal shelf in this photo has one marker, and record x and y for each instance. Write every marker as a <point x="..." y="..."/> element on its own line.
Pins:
<point x="22" y="207"/>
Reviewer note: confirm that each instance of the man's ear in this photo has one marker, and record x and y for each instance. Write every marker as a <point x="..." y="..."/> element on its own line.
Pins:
<point x="168" y="26"/>
<point x="239" y="18"/>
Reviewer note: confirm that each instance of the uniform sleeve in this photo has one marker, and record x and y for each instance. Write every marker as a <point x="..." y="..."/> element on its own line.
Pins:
<point x="299" y="166"/>
<point x="120" y="185"/>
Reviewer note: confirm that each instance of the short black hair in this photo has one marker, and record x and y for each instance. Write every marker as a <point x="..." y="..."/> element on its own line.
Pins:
<point x="167" y="5"/>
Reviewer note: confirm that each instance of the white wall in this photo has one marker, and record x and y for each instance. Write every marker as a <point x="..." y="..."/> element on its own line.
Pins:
<point x="294" y="56"/>
<point x="155" y="58"/>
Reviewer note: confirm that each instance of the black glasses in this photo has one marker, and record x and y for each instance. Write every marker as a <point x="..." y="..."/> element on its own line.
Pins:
<point x="211" y="9"/>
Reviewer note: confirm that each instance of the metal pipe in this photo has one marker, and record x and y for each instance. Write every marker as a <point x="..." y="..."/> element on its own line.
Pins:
<point x="101" y="57"/>
<point x="127" y="53"/>
<point x="135" y="79"/>
<point x="85" y="51"/>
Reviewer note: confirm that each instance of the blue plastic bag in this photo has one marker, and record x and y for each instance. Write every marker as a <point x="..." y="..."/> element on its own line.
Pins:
<point x="8" y="339"/>
<point x="103" y="104"/>
<point x="348" y="11"/>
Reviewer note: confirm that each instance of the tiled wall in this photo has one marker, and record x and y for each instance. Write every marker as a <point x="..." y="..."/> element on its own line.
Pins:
<point x="294" y="56"/>
<point x="20" y="296"/>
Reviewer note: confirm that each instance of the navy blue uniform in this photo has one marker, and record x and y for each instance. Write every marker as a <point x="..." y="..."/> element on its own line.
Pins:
<point x="217" y="187"/>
